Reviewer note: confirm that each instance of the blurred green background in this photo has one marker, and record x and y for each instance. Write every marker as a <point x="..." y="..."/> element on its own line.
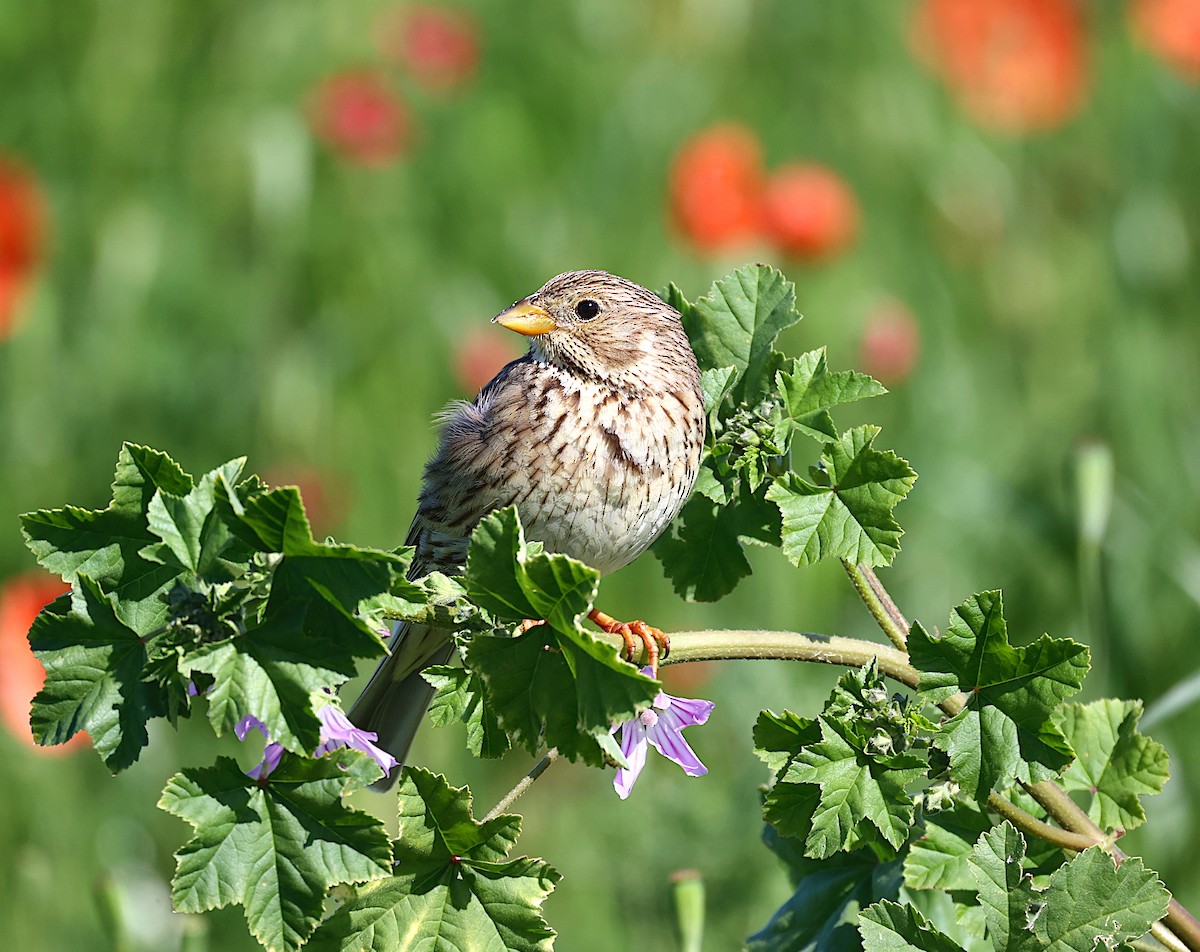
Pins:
<point x="224" y="274"/>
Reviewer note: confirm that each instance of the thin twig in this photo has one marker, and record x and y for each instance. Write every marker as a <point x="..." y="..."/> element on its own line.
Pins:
<point x="523" y="784"/>
<point x="881" y="607"/>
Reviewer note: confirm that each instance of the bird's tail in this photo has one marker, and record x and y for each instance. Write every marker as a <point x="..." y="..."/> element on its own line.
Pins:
<point x="395" y="699"/>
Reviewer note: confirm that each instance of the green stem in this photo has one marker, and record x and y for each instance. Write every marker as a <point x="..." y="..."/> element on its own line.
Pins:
<point x="523" y="784"/>
<point x="726" y="645"/>
<point x="879" y="603"/>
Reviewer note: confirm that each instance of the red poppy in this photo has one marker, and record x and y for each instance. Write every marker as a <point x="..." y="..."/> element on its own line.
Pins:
<point x="479" y="356"/>
<point x="360" y="118"/>
<point x="716" y="188"/>
<point x="1171" y="29"/>
<point x="438" y="45"/>
<point x="21" y="674"/>
<point x="1016" y="66"/>
<point x="891" y="341"/>
<point x="21" y="233"/>
<point x="809" y="211"/>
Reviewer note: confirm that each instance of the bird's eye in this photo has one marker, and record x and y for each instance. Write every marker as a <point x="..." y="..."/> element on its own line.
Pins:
<point x="587" y="309"/>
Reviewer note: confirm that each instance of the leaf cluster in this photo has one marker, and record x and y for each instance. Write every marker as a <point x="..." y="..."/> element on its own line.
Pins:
<point x="883" y="798"/>
<point x="200" y="593"/>
<point x="757" y="402"/>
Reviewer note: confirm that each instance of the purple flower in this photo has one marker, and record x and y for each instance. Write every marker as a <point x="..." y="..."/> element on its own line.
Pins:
<point x="660" y="726"/>
<point x="336" y="731"/>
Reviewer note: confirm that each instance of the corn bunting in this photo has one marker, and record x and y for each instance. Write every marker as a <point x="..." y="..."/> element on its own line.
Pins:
<point x="595" y="435"/>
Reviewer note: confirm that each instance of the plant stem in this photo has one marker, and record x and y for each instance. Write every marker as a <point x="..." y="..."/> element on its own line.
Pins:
<point x="725" y="645"/>
<point x="523" y="784"/>
<point x="1023" y="821"/>
<point x="879" y="603"/>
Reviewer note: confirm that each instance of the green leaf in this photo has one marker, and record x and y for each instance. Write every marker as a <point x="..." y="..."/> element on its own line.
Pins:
<point x="461" y="697"/>
<point x="515" y="581"/>
<point x="194" y="537"/>
<point x="1007" y="731"/>
<point x="822" y="913"/>
<point x="93" y="663"/>
<point x="1010" y="903"/>
<point x="940" y="857"/>
<point x="454" y="887"/>
<point x="701" y="553"/>
<point x="555" y="684"/>
<point x="1114" y="764"/>
<point x="1089" y="900"/>
<point x="848" y="513"/>
<point x="106" y="544"/>
<point x="716" y="384"/>
<point x="855" y="787"/>
<point x="809" y="389"/>
<point x="276" y="846"/>
<point x="270" y="672"/>
<point x="788" y="806"/>
<point x="889" y="927"/>
<point x="736" y="324"/>
<point x="554" y="690"/>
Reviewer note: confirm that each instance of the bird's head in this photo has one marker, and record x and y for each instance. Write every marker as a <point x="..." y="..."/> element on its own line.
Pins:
<point x="596" y="325"/>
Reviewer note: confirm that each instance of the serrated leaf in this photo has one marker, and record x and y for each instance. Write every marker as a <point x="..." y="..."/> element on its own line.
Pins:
<point x="275" y="846"/>
<point x="269" y="672"/>
<point x="505" y="578"/>
<point x="716" y="384"/>
<point x="736" y="324"/>
<point x="890" y="927"/>
<point x="453" y="888"/>
<point x="1091" y="902"/>
<point x="940" y="857"/>
<point x="94" y="665"/>
<point x="700" y="553"/>
<point x="1006" y="731"/>
<point x="461" y="697"/>
<point x="787" y="806"/>
<point x="106" y="544"/>
<point x="1010" y="903"/>
<point x="822" y="913"/>
<point x="1114" y="764"/>
<point x="555" y="684"/>
<point x="194" y="537"/>
<point x="552" y="690"/>
<point x="850" y="517"/>
<point x="855" y="789"/>
<point x="808" y="389"/>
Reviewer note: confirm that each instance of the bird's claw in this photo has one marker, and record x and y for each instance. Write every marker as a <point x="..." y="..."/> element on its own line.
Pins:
<point x="654" y="640"/>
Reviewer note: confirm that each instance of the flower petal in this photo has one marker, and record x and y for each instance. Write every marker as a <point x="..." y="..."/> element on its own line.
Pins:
<point x="633" y="746"/>
<point x="688" y="711"/>
<point x="271" y="758"/>
<point x="337" y="730"/>
<point x="669" y="742"/>
<point x="247" y="724"/>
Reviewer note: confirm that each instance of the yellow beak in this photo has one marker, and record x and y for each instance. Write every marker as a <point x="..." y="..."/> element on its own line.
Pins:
<point x="527" y="319"/>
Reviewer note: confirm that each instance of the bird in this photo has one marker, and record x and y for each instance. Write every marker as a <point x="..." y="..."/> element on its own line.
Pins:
<point x="595" y="435"/>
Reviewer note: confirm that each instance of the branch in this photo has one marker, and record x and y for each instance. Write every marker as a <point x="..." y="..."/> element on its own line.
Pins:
<point x="879" y="603"/>
<point x="523" y="784"/>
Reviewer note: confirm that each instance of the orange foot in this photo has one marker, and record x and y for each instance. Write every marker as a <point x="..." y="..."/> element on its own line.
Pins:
<point x="657" y="644"/>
